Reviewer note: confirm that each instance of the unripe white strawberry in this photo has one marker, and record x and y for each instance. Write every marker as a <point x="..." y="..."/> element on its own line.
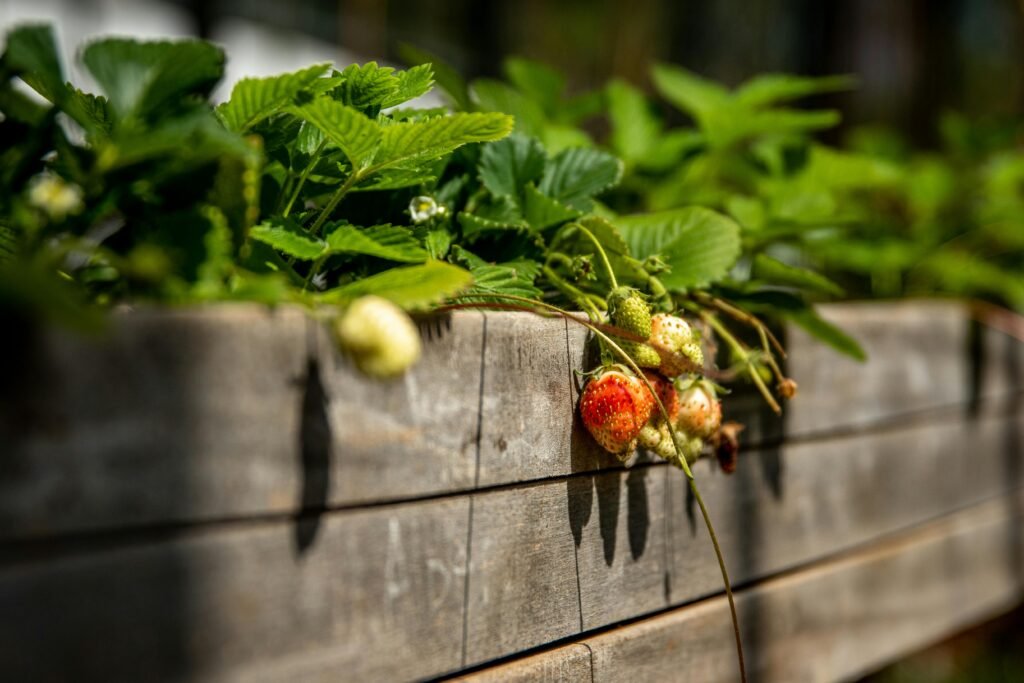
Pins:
<point x="379" y="336"/>
<point x="677" y="344"/>
<point x="700" y="413"/>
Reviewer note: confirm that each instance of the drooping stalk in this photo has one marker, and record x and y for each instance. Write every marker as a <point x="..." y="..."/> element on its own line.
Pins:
<point x="744" y="357"/>
<point x="531" y="305"/>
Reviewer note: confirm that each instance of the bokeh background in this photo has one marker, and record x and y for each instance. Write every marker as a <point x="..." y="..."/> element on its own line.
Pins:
<point x="914" y="60"/>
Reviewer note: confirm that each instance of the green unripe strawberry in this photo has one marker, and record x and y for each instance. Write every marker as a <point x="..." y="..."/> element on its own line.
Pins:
<point x="629" y="312"/>
<point x="649" y="437"/>
<point x="643" y="355"/>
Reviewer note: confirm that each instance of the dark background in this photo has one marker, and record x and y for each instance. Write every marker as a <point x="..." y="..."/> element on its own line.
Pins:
<point x="914" y="58"/>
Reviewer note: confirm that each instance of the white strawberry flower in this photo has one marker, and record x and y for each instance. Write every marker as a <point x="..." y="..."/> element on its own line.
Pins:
<point x="54" y="196"/>
<point x="423" y="208"/>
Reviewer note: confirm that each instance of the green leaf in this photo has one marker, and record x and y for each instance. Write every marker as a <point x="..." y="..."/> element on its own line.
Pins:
<point x="289" y="237"/>
<point x="506" y="166"/>
<point x="498" y="215"/>
<point x="688" y="91"/>
<point x="514" y="277"/>
<point x="410" y="84"/>
<point x="383" y="241"/>
<point x="698" y="244"/>
<point x="366" y="86"/>
<point x="254" y="99"/>
<point x="495" y="96"/>
<point x="32" y="53"/>
<point x="824" y="331"/>
<point x="410" y="287"/>
<point x="92" y="112"/>
<point x="770" y="88"/>
<point x="433" y="138"/>
<point x="143" y="79"/>
<point x="635" y="129"/>
<point x="353" y="133"/>
<point x="446" y="77"/>
<point x="776" y="272"/>
<point x="537" y="81"/>
<point x="575" y="175"/>
<point x="541" y="211"/>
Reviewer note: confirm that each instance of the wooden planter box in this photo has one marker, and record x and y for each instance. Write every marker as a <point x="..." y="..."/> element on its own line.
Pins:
<point x="215" y="494"/>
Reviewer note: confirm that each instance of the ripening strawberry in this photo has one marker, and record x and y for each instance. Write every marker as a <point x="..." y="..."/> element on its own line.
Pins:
<point x="677" y="344"/>
<point x="700" y="413"/>
<point x="615" y="407"/>
<point x="666" y="391"/>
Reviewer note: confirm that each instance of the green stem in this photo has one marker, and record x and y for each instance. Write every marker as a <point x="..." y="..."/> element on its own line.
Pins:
<point x="600" y="251"/>
<point x="744" y="357"/>
<point x="588" y="301"/>
<point x="338" y="195"/>
<point x="681" y="459"/>
<point x="305" y="174"/>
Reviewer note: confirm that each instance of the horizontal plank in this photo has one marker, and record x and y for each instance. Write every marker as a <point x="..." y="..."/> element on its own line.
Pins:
<point x="171" y="415"/>
<point x="567" y="663"/>
<point x="422" y="588"/>
<point x="834" y="620"/>
<point x="840" y="619"/>
<point x="410" y="436"/>
<point x="364" y="595"/>
<point x="632" y="542"/>
<point x="236" y="411"/>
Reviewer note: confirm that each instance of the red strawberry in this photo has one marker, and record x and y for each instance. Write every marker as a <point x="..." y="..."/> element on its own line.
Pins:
<point x="666" y="391"/>
<point x="615" y="407"/>
<point x="700" y="412"/>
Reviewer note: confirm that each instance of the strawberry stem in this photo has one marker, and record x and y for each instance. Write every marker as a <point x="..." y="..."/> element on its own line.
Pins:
<point x="741" y="353"/>
<point x="524" y="303"/>
<point x="600" y="252"/>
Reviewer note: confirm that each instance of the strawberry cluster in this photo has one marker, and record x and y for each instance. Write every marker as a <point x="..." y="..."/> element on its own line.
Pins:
<point x="618" y="407"/>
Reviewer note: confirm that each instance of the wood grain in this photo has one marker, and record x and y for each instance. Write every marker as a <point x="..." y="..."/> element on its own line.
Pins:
<point x="838" y="619"/>
<point x="410" y="436"/>
<point x="172" y="415"/>
<point x="377" y="596"/>
<point x="201" y="415"/>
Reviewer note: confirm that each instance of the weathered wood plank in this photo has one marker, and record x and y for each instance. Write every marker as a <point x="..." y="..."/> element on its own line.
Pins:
<point x="841" y="618"/>
<point x="789" y="505"/>
<point x="522" y="587"/>
<point x="174" y="415"/>
<point x="918" y="360"/>
<point x="526" y="400"/>
<point x="198" y="415"/>
<point x="564" y="664"/>
<point x="411" y="436"/>
<point x="633" y="542"/>
<point x="377" y="595"/>
<point x="623" y="555"/>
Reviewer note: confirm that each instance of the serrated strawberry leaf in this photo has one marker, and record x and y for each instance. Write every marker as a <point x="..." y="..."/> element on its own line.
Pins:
<point x="351" y="131"/>
<point x="254" y="99"/>
<point x="410" y="287"/>
<point x="151" y="79"/>
<point x="425" y="140"/>
<point x="541" y="211"/>
<point x="290" y="238"/>
<point x="389" y="242"/>
<point x="575" y="175"/>
<point x="506" y="166"/>
<point x="699" y="245"/>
